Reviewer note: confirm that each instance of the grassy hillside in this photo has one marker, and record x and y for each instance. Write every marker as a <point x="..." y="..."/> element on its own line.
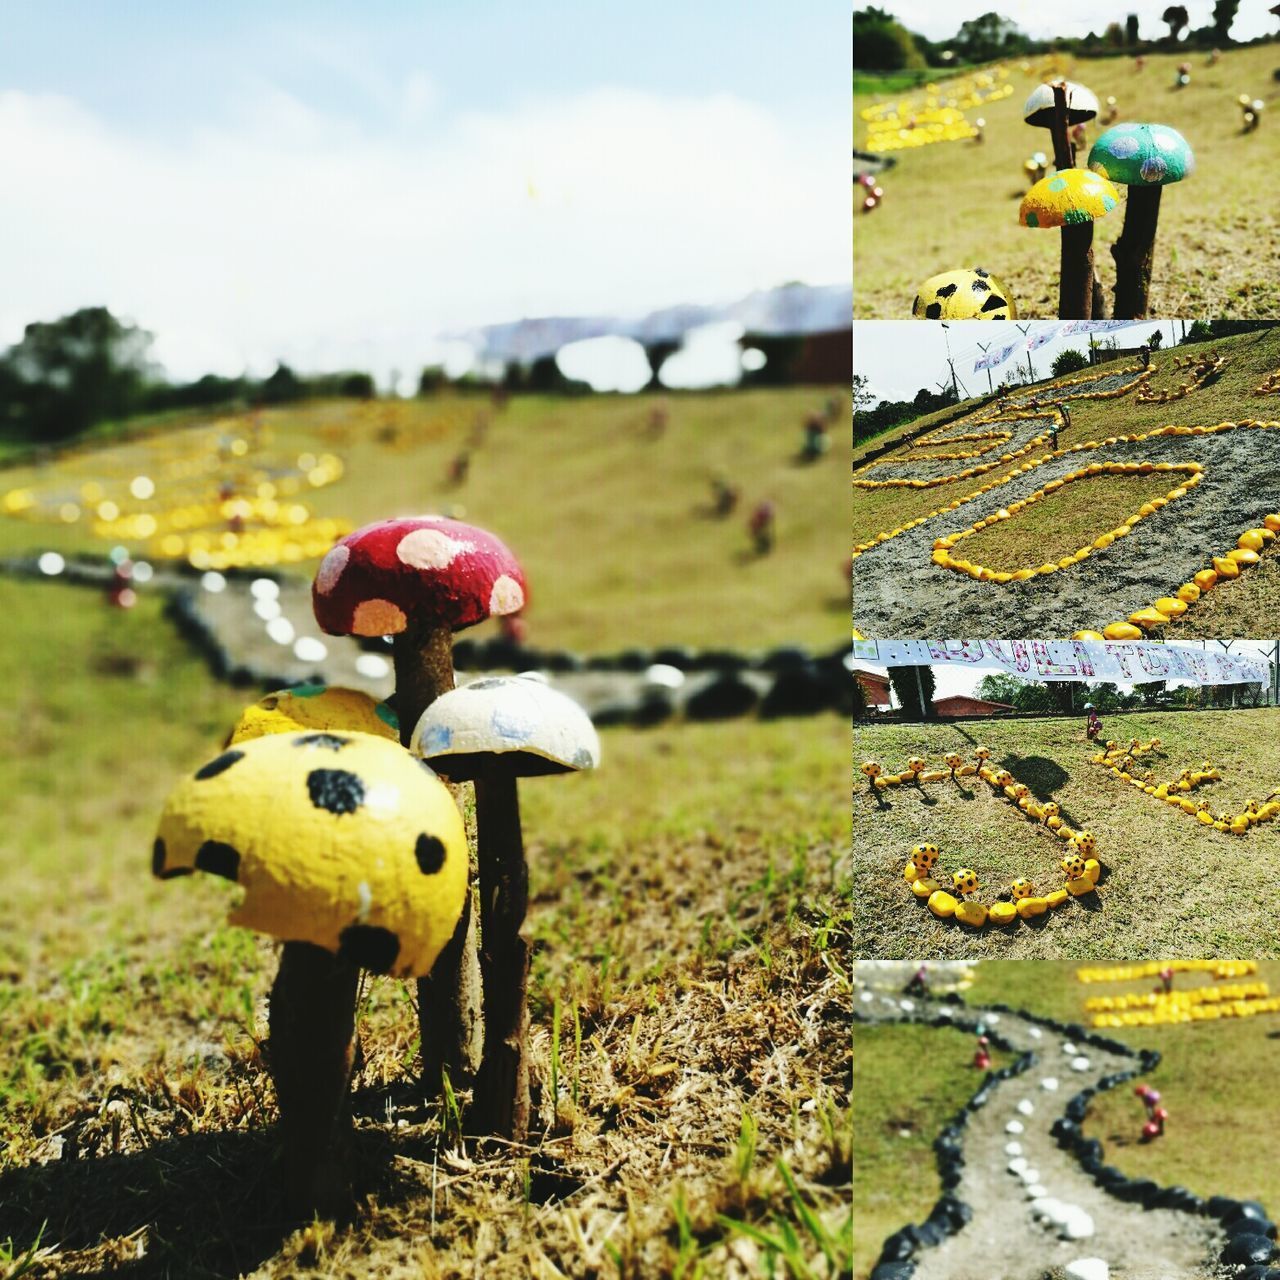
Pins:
<point x="691" y="887"/>
<point x="1249" y="605"/>
<point x="955" y="204"/>
<point x="910" y="1080"/>
<point x="612" y="525"/>
<point x="1171" y="885"/>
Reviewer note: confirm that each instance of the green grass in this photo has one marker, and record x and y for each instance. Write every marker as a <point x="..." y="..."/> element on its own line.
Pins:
<point x="693" y="884"/>
<point x="916" y="1077"/>
<point x="612" y="527"/>
<point x="1215" y="229"/>
<point x="1173" y="886"/>
<point x="1061" y="523"/>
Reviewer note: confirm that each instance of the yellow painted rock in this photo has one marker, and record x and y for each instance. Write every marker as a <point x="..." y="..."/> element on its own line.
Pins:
<point x="1272" y="522"/>
<point x="1225" y="568"/>
<point x="315" y="706"/>
<point x="942" y="904"/>
<point x="1253" y="539"/>
<point x="924" y="886"/>
<point x="934" y="775"/>
<point x="973" y="914"/>
<point x="1243" y="556"/>
<point x="1122" y="631"/>
<point x="910" y="872"/>
<point x="1092" y="869"/>
<point x="1239" y="825"/>
<point x="1080" y="886"/>
<point x="1189" y="592"/>
<point x="1087" y="635"/>
<point x="881" y="783"/>
<point x="1029" y="907"/>
<point x="1205" y="817"/>
<point x="1171" y="606"/>
<point x="1002" y="913"/>
<point x="1067" y="197"/>
<point x="1205" y="579"/>
<point x="342" y="840"/>
<point x="1148" y="619"/>
<point x="1056" y="897"/>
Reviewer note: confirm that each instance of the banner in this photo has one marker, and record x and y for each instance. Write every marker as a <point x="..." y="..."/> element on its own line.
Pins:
<point x="994" y="357"/>
<point x="1120" y="661"/>
<point x="1037" y="340"/>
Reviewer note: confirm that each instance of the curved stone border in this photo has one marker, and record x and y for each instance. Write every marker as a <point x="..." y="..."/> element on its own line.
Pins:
<point x="1245" y="1222"/>
<point x="1204" y="368"/>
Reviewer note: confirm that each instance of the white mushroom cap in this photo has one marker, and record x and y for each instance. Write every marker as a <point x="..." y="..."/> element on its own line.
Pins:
<point x="1082" y="104"/>
<point x="536" y="728"/>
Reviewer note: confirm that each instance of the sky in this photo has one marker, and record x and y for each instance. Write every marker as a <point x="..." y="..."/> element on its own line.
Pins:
<point x="901" y="356"/>
<point x="338" y="185"/>
<point x="938" y="19"/>
<point x="951" y="680"/>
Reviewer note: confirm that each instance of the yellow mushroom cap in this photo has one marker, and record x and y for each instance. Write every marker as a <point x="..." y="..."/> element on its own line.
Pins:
<point x="1066" y="197"/>
<point x="343" y="840"/>
<point x="315" y="706"/>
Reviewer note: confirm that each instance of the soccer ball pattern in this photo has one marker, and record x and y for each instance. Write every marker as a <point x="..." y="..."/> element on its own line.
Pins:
<point x="1021" y="888"/>
<point x="964" y="295"/>
<point x="925" y="856"/>
<point x="965" y="880"/>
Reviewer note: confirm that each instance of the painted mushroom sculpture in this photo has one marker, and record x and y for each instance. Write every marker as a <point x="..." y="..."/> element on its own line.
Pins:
<point x="1072" y="199"/>
<point x="1145" y="158"/>
<point x="355" y="857"/>
<point x="492" y="732"/>
<point x="418" y="579"/>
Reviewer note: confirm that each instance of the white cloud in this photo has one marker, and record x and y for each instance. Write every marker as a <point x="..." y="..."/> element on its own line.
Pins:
<point x="288" y="233"/>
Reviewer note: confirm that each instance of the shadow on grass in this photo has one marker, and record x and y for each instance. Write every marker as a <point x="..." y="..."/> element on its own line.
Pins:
<point x="205" y="1206"/>
<point x="1045" y="777"/>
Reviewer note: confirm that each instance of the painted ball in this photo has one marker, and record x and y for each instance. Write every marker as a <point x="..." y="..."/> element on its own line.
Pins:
<point x="1021" y="888"/>
<point x="1085" y="844"/>
<point x="1073" y="865"/>
<point x="925" y="856"/>
<point x="915" y="765"/>
<point x="963" y="295"/>
<point x="871" y="769"/>
<point x="966" y="880"/>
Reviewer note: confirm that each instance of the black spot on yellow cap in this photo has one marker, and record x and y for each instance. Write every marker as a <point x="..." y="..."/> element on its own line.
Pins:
<point x="336" y="790"/>
<point x="218" y="859"/>
<point x="334" y="741"/>
<point x="219" y="765"/>
<point x="429" y="852"/>
<point x="158" y="869"/>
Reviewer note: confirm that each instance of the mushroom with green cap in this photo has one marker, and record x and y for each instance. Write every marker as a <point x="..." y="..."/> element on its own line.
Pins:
<point x="1145" y="158"/>
<point x="492" y="732"/>
<point x="315" y="706"/>
<point x="419" y="579"/>
<point x="353" y="855"/>
<point x="1072" y="199"/>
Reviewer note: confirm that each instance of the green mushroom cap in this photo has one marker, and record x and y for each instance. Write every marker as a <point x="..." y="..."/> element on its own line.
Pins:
<point x="1142" y="155"/>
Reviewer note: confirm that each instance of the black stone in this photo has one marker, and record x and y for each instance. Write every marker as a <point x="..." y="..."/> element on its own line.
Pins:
<point x="429" y="852"/>
<point x="1242" y="1250"/>
<point x="798" y="692"/>
<point x="218" y="859"/>
<point x="219" y="765"/>
<point x="338" y="791"/>
<point x="369" y="946"/>
<point x="1248" y="1226"/>
<point x="724" y="697"/>
<point x="893" y="1271"/>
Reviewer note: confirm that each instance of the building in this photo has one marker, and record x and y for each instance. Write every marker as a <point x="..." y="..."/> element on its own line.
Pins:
<point x="875" y="688"/>
<point x="963" y="704"/>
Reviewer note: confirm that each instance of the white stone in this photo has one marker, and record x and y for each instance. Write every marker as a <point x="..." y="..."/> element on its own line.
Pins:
<point x="907" y="1006"/>
<point x="1050" y="1084"/>
<point x="1037" y="1191"/>
<point x="992" y="1019"/>
<point x="1014" y="1126"/>
<point x="1013" y="1148"/>
<point x="1080" y="1064"/>
<point x="1078" y="1226"/>
<point x="1034" y="1032"/>
<point x="1068" y="1048"/>
<point x="1088" y="1269"/>
<point x="1025" y="1107"/>
<point x="1017" y="1166"/>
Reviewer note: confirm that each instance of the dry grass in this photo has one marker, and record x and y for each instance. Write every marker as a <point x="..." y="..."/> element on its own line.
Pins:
<point x="689" y="998"/>
<point x="1171" y="886"/>
<point x="914" y="1078"/>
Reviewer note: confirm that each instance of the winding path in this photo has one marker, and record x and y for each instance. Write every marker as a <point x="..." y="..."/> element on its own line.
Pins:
<point x="1025" y="1192"/>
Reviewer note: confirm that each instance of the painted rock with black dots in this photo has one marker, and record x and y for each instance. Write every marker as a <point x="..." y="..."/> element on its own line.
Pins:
<point x="337" y="838"/>
<point x="972" y="294"/>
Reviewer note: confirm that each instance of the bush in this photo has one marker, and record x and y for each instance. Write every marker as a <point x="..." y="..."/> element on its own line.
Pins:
<point x="1069" y="361"/>
<point x="881" y="43"/>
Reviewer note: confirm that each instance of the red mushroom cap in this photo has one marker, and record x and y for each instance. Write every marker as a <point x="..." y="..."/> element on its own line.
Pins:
<point x="426" y="568"/>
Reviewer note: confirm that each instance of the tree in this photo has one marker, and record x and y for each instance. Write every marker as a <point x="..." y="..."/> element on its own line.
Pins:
<point x="658" y="353"/>
<point x="1156" y="341"/>
<point x="1069" y="361"/>
<point x="882" y="43"/>
<point x="67" y="374"/>
<point x="1176" y="18"/>
<point x="1224" y="14"/>
<point x="908" y="689"/>
<point x="1131" y="29"/>
<point x="863" y="396"/>
<point x="282" y="386"/>
<point x="1199" y="332"/>
<point x="990" y="36"/>
<point x="1114" y="35"/>
<point x="1150" y="692"/>
<point x="1000" y="687"/>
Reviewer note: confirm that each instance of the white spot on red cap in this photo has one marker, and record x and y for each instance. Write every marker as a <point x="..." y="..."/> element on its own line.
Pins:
<point x="430" y="549"/>
<point x="507" y="596"/>
<point x="377" y="618"/>
<point x="331" y="568"/>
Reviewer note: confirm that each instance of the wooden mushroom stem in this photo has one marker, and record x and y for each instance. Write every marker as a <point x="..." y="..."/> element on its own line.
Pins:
<point x="449" y="1019"/>
<point x="312" y="1023"/>
<point x="502" y="1090"/>
<point x="1075" y="272"/>
<point x="1134" y="252"/>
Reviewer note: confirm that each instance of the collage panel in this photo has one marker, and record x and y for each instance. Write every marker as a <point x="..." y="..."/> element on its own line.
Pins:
<point x="1065" y="502"/>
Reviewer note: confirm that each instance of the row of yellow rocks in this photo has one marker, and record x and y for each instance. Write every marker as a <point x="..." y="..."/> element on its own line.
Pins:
<point x="1190" y="1013"/>
<point x="1153" y="968"/>
<point x="1205" y="368"/>
<point x="1176" y="999"/>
